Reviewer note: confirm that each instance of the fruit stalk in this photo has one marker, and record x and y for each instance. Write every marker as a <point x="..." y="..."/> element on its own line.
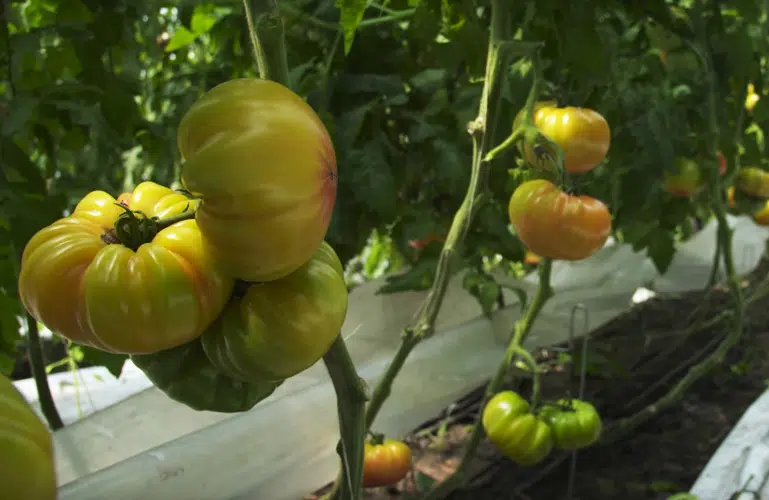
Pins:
<point x="514" y="348"/>
<point x="351" y="405"/>
<point x="724" y="241"/>
<point x="265" y="27"/>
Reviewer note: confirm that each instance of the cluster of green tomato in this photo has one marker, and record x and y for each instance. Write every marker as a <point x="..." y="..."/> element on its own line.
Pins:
<point x="527" y="438"/>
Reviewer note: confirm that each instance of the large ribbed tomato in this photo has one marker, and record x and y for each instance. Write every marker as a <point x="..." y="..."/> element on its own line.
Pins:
<point x="264" y="165"/>
<point x="27" y="470"/>
<point x="575" y="423"/>
<point x="515" y="431"/>
<point x="282" y="327"/>
<point x="555" y="224"/>
<point x="582" y="134"/>
<point x="82" y="283"/>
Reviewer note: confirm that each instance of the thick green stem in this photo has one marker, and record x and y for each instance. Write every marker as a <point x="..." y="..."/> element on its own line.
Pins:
<point x="521" y="331"/>
<point x="265" y="26"/>
<point x="351" y="404"/>
<point x="37" y="363"/>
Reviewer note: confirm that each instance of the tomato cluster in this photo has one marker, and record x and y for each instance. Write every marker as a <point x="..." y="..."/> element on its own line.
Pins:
<point x="552" y="222"/>
<point x="218" y="294"/>
<point x="528" y="438"/>
<point x="750" y="194"/>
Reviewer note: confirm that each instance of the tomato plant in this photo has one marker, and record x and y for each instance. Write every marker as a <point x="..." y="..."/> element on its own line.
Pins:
<point x="282" y="327"/>
<point x="264" y="165"/>
<point x="185" y="374"/>
<point x="78" y="280"/>
<point x="753" y="181"/>
<point x="519" y="434"/>
<point x="583" y="134"/>
<point x="686" y="179"/>
<point x="575" y="423"/>
<point x="27" y="469"/>
<point x="554" y="224"/>
<point x="385" y="463"/>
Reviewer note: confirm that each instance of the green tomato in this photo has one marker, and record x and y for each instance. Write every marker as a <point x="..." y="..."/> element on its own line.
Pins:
<point x="517" y="433"/>
<point x="27" y="469"/>
<point x="575" y="423"/>
<point x="686" y="179"/>
<point x="282" y="327"/>
<point x="185" y="374"/>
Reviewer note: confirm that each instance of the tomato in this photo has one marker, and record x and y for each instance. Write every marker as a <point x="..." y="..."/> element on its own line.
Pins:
<point x="281" y="327"/>
<point x="82" y="284"/>
<point x="753" y="181"/>
<point x="385" y="463"/>
<point x="686" y="179"/>
<point x="264" y="165"/>
<point x="420" y="245"/>
<point x="741" y="203"/>
<point x="752" y="98"/>
<point x="575" y="423"/>
<point x="554" y="224"/>
<point x="185" y="374"/>
<point x="27" y="467"/>
<point x="583" y="134"/>
<point x="723" y="165"/>
<point x="517" y="433"/>
<point x="531" y="258"/>
<point x="762" y="216"/>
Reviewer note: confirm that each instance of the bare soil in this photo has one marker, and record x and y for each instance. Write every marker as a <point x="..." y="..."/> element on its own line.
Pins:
<point x="633" y="360"/>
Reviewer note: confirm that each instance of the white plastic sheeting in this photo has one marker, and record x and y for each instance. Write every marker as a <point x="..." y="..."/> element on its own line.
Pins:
<point x="148" y="446"/>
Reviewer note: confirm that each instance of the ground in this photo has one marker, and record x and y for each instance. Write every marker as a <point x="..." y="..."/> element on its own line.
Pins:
<point x="644" y="353"/>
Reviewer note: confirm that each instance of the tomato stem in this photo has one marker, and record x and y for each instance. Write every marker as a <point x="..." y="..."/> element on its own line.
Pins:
<point x="265" y="27"/>
<point x="724" y="233"/>
<point x="481" y="130"/>
<point x="351" y="405"/>
<point x="519" y="351"/>
<point x="514" y="348"/>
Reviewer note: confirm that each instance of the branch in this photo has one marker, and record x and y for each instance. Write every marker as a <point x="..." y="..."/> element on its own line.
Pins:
<point x="265" y="27"/>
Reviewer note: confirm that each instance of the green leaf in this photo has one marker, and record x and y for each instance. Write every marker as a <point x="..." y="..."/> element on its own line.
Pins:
<point x="483" y="288"/>
<point x="20" y="113"/>
<point x="73" y="11"/>
<point x="661" y="249"/>
<point x="418" y="277"/>
<point x="203" y="19"/>
<point x="114" y="363"/>
<point x="520" y="292"/>
<point x="350" y="16"/>
<point x="182" y="37"/>
<point x="372" y="178"/>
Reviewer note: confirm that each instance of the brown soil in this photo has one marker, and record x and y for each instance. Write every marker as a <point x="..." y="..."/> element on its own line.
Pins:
<point x="633" y="360"/>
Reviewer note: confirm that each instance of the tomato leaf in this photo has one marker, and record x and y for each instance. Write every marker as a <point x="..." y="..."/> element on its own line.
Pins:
<point x="661" y="249"/>
<point x="114" y="363"/>
<point x="419" y="277"/>
<point x="351" y="14"/>
<point x="483" y="288"/>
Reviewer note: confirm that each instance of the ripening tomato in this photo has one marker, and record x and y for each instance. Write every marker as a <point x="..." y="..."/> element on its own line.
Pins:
<point x="723" y="165"/>
<point x="742" y="203"/>
<point x="537" y="106"/>
<point x="27" y="467"/>
<point x="582" y="133"/>
<point x="385" y="463"/>
<point x="155" y="200"/>
<point x="518" y="434"/>
<point x="282" y="327"/>
<point x="575" y="423"/>
<point x="685" y="180"/>
<point x="531" y="258"/>
<point x="264" y="166"/>
<point x="82" y="283"/>
<point x="753" y="181"/>
<point x="554" y="224"/>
